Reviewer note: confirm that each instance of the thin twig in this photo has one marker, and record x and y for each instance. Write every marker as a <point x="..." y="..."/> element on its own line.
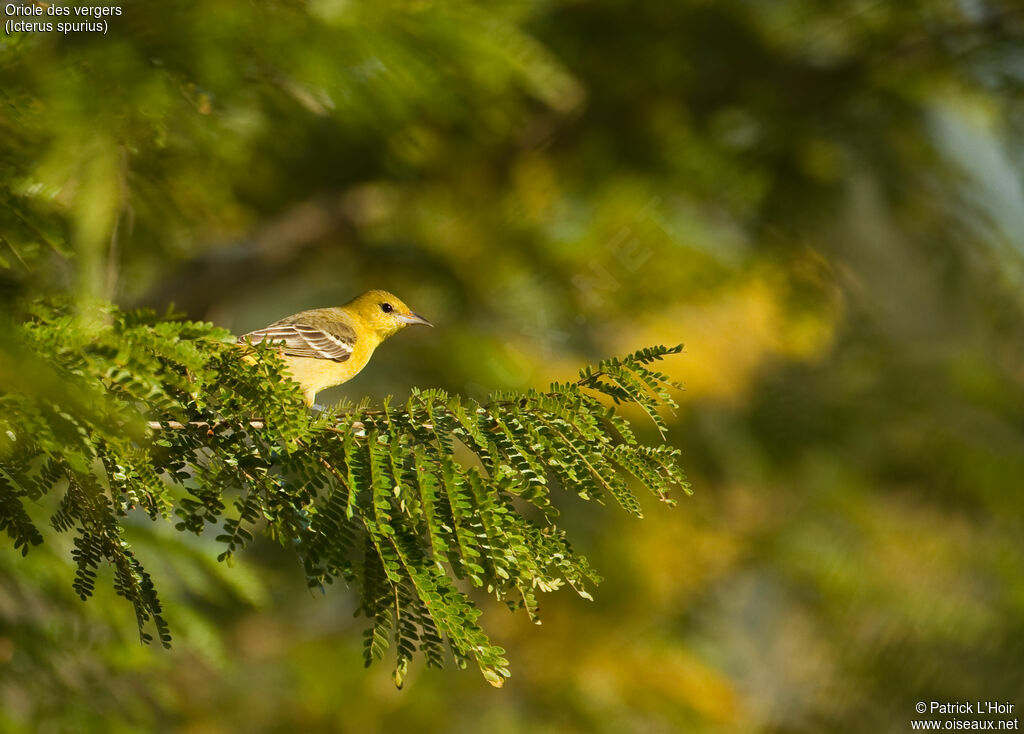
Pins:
<point x="179" y="426"/>
<point x="260" y="423"/>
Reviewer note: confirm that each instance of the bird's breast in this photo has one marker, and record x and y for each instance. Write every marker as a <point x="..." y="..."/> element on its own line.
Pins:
<point x="320" y="374"/>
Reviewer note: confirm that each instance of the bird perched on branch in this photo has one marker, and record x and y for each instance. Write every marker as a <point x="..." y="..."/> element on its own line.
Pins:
<point x="328" y="346"/>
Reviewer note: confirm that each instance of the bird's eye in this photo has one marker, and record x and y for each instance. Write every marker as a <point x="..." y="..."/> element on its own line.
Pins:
<point x="387" y="307"/>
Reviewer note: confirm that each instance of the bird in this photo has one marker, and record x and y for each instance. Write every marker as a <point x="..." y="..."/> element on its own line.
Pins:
<point x="324" y="347"/>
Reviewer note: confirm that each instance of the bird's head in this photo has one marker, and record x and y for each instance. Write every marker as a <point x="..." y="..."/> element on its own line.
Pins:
<point x="384" y="312"/>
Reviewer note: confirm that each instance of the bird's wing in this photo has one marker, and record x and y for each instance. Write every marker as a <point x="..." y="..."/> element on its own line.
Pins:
<point x="303" y="340"/>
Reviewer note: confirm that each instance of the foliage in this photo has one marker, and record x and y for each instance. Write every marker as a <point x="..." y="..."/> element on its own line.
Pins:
<point x="401" y="502"/>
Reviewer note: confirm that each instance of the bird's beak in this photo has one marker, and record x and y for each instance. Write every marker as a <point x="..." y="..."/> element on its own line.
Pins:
<point x="412" y="318"/>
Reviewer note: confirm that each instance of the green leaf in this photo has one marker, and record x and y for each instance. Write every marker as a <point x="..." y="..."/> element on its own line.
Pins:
<point x="398" y="502"/>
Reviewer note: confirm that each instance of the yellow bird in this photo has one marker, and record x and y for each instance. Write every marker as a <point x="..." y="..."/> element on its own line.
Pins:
<point x="328" y="346"/>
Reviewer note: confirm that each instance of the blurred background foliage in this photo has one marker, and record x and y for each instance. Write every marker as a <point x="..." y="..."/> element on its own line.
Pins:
<point x="824" y="201"/>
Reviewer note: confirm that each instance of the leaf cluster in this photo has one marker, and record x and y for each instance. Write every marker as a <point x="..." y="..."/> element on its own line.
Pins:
<point x="412" y="505"/>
